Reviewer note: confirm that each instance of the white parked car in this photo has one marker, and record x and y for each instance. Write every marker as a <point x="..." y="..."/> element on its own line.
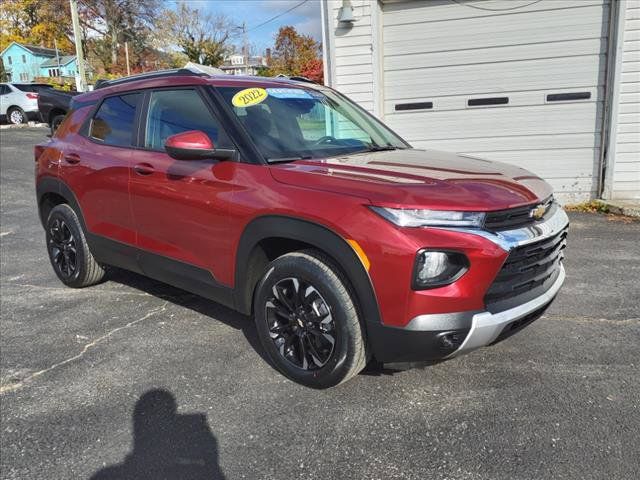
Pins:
<point x="19" y="101"/>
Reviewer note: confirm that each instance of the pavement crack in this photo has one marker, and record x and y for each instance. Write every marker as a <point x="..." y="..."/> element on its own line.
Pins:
<point x="66" y="289"/>
<point x="10" y="388"/>
<point x="626" y="321"/>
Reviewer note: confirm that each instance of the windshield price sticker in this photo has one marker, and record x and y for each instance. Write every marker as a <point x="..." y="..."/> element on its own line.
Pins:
<point x="249" y="96"/>
<point x="292" y="93"/>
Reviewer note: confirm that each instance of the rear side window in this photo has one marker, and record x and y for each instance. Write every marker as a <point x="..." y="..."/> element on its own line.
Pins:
<point x="114" y="121"/>
<point x="177" y="111"/>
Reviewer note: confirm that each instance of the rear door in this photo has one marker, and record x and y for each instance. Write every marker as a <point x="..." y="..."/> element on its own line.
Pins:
<point x="180" y="207"/>
<point x="96" y="167"/>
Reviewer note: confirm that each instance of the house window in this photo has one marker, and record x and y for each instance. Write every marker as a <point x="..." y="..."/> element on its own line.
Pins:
<point x="24" y="59"/>
<point x="9" y="61"/>
<point x="54" y="72"/>
<point x="24" y="77"/>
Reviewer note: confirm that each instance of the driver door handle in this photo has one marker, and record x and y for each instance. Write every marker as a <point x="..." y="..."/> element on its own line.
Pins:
<point x="143" y="168"/>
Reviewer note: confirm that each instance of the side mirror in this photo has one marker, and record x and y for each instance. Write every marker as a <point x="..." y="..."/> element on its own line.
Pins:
<point x="195" y="145"/>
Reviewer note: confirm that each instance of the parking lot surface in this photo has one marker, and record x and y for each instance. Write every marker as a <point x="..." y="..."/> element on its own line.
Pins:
<point x="132" y="378"/>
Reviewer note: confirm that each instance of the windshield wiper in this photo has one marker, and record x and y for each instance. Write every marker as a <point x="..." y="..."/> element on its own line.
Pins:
<point x="288" y="159"/>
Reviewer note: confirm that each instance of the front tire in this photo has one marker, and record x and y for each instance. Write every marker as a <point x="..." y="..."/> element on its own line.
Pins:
<point x="16" y="116"/>
<point x="69" y="252"/>
<point x="308" y="322"/>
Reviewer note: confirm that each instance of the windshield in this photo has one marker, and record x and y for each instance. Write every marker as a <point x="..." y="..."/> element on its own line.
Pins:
<point x="294" y="123"/>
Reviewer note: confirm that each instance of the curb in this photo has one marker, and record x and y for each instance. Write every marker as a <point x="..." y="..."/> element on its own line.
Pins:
<point x="24" y="125"/>
<point x="628" y="208"/>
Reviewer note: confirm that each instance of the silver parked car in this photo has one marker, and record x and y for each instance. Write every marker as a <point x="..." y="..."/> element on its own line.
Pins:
<point x="19" y="101"/>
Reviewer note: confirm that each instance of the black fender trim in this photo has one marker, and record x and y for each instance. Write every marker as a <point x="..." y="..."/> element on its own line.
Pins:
<point x="57" y="186"/>
<point x="320" y="237"/>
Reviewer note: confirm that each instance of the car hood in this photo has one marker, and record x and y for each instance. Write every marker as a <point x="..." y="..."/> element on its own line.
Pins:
<point x="419" y="179"/>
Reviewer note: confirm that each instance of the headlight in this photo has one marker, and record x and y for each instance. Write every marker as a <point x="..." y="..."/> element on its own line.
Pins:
<point x="430" y="218"/>
<point x="434" y="268"/>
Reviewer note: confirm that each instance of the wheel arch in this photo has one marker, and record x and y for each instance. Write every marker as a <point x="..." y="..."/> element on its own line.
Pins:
<point x="274" y="235"/>
<point x="54" y="112"/>
<point x="53" y="191"/>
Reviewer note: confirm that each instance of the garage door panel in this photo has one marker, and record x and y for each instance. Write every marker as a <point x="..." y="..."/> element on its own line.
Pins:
<point x="515" y="28"/>
<point x="538" y="120"/>
<point x="521" y="75"/>
<point x="483" y="145"/>
<point x="402" y="61"/>
<point x="516" y="99"/>
<point x="426" y="11"/>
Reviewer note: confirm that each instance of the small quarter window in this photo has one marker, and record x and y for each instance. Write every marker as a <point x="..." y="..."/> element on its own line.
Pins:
<point x="114" y="121"/>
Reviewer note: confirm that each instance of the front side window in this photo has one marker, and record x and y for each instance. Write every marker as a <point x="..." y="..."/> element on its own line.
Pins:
<point x="4" y="90"/>
<point x="297" y="122"/>
<point x="177" y="111"/>
<point x="114" y="121"/>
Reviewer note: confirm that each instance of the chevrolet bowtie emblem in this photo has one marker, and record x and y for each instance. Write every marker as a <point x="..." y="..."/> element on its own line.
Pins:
<point x="538" y="212"/>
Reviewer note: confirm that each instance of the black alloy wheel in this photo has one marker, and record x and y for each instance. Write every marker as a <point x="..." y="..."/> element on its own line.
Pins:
<point x="307" y="320"/>
<point x="68" y="250"/>
<point x="300" y="323"/>
<point x="62" y="248"/>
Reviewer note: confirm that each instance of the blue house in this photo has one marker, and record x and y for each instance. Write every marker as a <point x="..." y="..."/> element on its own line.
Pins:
<point x="24" y="63"/>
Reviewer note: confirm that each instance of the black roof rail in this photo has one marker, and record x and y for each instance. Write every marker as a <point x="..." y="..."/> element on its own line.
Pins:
<point x="148" y="76"/>
<point x="296" y="78"/>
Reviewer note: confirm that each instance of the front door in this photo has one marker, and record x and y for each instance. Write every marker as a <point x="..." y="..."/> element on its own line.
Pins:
<point x="180" y="207"/>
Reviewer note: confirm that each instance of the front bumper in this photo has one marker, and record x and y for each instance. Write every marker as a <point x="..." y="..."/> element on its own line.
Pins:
<point x="487" y="327"/>
<point x="437" y="336"/>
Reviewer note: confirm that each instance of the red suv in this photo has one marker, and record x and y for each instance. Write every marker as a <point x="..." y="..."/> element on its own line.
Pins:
<point x="284" y="200"/>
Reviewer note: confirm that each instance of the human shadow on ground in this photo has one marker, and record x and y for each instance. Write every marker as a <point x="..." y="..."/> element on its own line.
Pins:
<point x="167" y="445"/>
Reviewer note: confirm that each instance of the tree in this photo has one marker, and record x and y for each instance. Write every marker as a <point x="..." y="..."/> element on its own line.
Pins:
<point x="296" y="54"/>
<point x="38" y="22"/>
<point x="202" y="36"/>
<point x="116" y="22"/>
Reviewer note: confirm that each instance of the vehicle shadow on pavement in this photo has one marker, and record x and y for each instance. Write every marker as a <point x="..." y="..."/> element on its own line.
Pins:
<point x="167" y="445"/>
<point x="194" y="302"/>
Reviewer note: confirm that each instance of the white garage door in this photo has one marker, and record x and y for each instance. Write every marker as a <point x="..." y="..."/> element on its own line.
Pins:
<point x="516" y="81"/>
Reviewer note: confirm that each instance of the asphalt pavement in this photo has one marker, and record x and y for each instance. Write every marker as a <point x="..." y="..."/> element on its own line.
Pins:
<point x="125" y="378"/>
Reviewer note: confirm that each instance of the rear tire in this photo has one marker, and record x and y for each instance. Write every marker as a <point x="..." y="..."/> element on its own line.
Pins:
<point x="16" y="116"/>
<point x="308" y="322"/>
<point x="69" y="252"/>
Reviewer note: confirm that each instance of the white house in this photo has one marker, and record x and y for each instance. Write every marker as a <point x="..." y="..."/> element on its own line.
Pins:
<point x="236" y="65"/>
<point x="549" y="85"/>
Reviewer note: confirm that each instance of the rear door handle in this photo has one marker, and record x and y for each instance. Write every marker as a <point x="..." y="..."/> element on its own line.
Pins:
<point x="72" y="158"/>
<point x="143" y="168"/>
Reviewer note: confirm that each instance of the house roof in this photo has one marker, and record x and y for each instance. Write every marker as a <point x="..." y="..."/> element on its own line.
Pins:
<point x="53" y="62"/>
<point x="35" y="49"/>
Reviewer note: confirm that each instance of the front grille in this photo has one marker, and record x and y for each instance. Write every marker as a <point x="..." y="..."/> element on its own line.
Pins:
<point x="515" y="217"/>
<point x="528" y="271"/>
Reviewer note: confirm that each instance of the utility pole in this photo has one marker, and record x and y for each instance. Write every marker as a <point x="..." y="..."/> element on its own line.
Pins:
<point x="55" y="44"/>
<point x="126" y="54"/>
<point x="81" y="80"/>
<point x="245" y="48"/>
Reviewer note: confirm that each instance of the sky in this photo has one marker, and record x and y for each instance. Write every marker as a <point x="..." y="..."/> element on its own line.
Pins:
<point x="305" y="18"/>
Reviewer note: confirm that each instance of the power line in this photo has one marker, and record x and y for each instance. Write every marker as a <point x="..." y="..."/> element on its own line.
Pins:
<point x="273" y="18"/>
<point x="493" y="9"/>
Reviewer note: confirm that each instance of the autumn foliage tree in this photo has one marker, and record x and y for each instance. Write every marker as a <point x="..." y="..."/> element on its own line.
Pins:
<point x="296" y="54"/>
<point x="36" y="22"/>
